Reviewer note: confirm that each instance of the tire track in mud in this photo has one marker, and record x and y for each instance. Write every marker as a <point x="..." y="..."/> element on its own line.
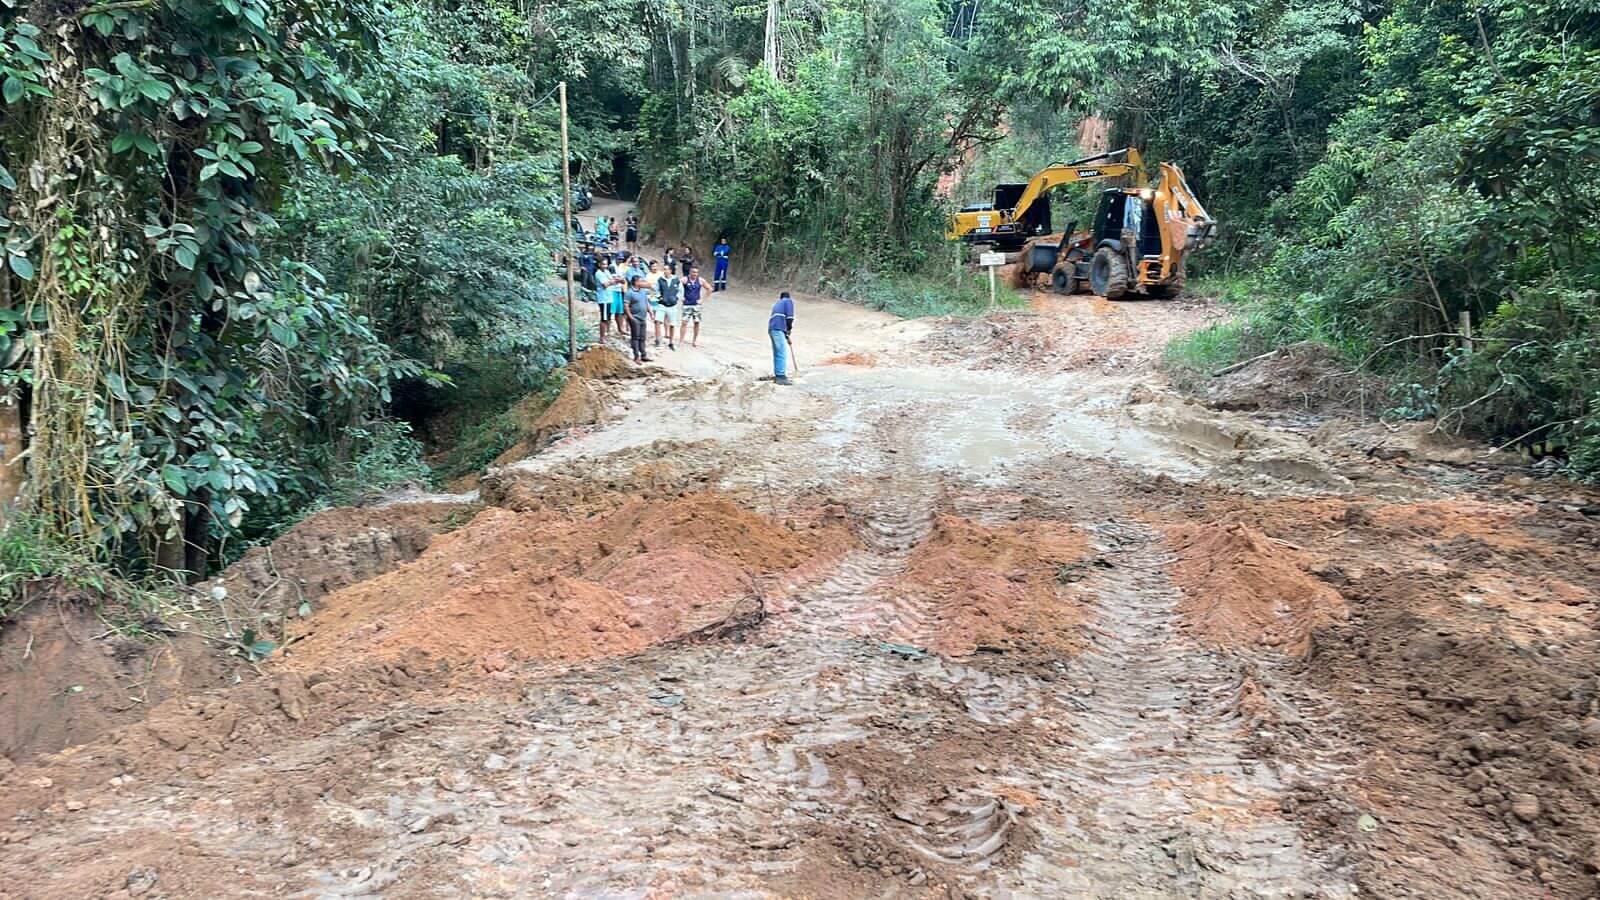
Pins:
<point x="1153" y="790"/>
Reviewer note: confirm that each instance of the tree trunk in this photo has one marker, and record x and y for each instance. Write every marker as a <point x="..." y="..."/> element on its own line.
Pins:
<point x="11" y="469"/>
<point x="197" y="536"/>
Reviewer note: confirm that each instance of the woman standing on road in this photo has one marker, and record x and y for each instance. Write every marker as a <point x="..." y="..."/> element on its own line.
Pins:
<point x="602" y="232"/>
<point x="608" y="296"/>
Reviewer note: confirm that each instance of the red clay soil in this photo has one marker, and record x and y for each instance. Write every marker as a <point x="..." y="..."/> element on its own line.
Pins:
<point x="546" y="586"/>
<point x="331" y="549"/>
<point x="853" y="358"/>
<point x="1242" y="588"/>
<point x="582" y="402"/>
<point x="64" y="680"/>
<point x="1001" y="586"/>
<point x="603" y="363"/>
<point x="1465" y="672"/>
<point x="196" y="734"/>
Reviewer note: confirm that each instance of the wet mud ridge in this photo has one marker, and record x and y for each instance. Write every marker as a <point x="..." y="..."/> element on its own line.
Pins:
<point x="1160" y="791"/>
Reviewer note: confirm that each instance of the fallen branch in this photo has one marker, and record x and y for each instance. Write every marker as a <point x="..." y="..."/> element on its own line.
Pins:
<point x="1530" y="433"/>
<point x="747" y="613"/>
<point x="1228" y="370"/>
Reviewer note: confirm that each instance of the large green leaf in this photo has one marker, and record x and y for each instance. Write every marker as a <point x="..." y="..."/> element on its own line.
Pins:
<point x="175" y="481"/>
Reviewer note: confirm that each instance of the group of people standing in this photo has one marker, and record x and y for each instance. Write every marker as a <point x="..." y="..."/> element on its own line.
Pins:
<point x="606" y="231"/>
<point x="633" y="293"/>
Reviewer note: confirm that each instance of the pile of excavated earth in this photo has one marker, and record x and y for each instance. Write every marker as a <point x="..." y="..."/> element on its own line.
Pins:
<point x="1027" y="623"/>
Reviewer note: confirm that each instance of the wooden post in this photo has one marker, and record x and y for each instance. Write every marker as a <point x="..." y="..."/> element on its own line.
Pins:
<point x="566" y="229"/>
<point x="1466" y="329"/>
<point x="992" y="299"/>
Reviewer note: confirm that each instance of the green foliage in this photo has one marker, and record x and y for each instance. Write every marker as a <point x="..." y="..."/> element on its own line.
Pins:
<point x="366" y="463"/>
<point x="917" y="296"/>
<point x="829" y="156"/>
<point x="30" y="553"/>
<point x="172" y="343"/>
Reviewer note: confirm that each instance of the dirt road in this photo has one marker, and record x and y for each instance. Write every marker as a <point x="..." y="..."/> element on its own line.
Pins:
<point x="974" y="609"/>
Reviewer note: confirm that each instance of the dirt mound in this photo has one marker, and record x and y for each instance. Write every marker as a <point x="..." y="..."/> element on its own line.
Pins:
<point x="853" y="358"/>
<point x="1464" y="674"/>
<point x="196" y="735"/>
<point x="66" y="679"/>
<point x="1303" y="377"/>
<point x="330" y="550"/>
<point x="1243" y="588"/>
<point x="548" y="586"/>
<point x="602" y="363"/>
<point x="999" y="587"/>
<point x="652" y="472"/>
<point x="1477" y="753"/>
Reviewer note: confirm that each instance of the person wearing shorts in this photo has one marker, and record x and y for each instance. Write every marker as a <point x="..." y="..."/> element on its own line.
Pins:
<point x="696" y="291"/>
<point x="633" y="233"/>
<point x="652" y="283"/>
<point x="669" y="301"/>
<point x="608" y="296"/>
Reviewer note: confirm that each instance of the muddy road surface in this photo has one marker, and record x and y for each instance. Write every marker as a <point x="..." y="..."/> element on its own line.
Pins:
<point x="975" y="609"/>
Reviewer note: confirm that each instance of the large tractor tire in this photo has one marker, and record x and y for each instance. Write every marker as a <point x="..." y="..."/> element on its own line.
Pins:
<point x="1172" y="289"/>
<point x="1064" y="280"/>
<point x="1108" y="274"/>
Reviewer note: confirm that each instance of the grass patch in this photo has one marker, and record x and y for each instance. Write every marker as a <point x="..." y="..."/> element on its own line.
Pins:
<point x="918" y="296"/>
<point x="1199" y="353"/>
<point x="1261" y="320"/>
<point x="29" y="555"/>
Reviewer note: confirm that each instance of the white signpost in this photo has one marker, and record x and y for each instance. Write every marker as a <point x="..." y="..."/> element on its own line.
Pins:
<point x="991" y="261"/>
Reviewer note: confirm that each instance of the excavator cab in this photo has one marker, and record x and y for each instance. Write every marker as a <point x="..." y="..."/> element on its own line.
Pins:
<point x="1126" y="213"/>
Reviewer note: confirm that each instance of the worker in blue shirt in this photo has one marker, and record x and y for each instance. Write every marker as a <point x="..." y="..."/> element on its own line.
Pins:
<point x="719" y="278"/>
<point x="780" y="328"/>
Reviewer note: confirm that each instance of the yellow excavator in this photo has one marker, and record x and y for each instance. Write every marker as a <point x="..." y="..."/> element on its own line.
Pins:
<point x="1140" y="241"/>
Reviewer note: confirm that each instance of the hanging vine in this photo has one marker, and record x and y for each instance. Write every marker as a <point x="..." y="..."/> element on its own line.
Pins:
<point x="161" y="354"/>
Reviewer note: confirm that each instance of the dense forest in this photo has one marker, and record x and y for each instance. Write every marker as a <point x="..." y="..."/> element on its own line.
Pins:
<point x="251" y="246"/>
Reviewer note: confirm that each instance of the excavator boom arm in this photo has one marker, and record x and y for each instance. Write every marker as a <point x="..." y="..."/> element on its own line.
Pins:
<point x="1116" y="164"/>
<point x="1083" y="170"/>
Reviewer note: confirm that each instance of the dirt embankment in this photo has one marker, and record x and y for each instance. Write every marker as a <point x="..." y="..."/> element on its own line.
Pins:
<point x="66" y="678"/>
<point x="1300" y="378"/>
<point x="331" y="549"/>
<point x="581" y="403"/>
<point x="543" y="585"/>
<point x="999" y="587"/>
<point x="1464" y="671"/>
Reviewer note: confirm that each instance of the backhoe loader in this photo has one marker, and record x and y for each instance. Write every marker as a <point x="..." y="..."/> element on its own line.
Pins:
<point x="1139" y="243"/>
